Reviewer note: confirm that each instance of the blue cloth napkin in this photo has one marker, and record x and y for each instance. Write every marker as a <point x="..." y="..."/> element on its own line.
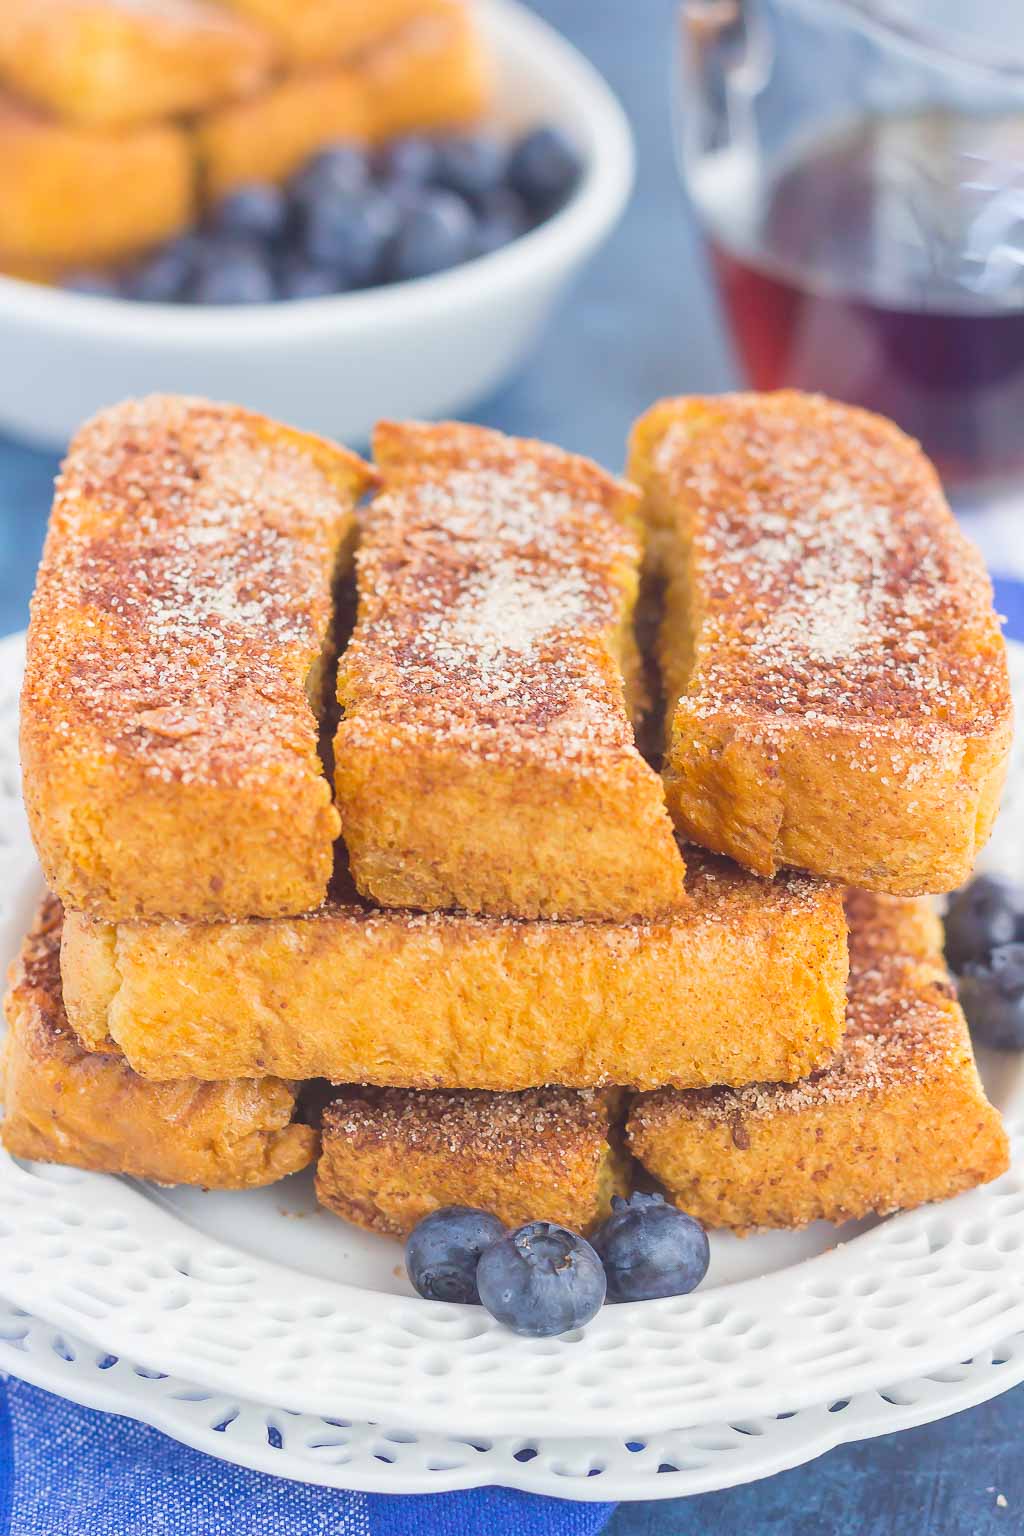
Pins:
<point x="69" y="1471"/>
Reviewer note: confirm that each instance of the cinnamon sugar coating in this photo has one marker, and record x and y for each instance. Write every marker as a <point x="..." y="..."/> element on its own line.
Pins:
<point x="837" y="682"/>
<point x="175" y="664"/>
<point x="64" y="1105"/>
<point x="390" y="1156"/>
<point x="485" y="758"/>
<point x="899" y="1117"/>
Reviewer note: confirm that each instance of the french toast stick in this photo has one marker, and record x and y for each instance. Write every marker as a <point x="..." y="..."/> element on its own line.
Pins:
<point x="175" y="664"/>
<point x="116" y="64"/>
<point x="485" y="757"/>
<point x="71" y="195"/>
<point x="836" y="678"/>
<point x="391" y="1157"/>
<point x="900" y="1117"/>
<point x="65" y="1105"/>
<point x="746" y="981"/>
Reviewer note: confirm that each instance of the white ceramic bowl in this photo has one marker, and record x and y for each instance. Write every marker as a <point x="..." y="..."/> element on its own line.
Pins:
<point x="334" y="365"/>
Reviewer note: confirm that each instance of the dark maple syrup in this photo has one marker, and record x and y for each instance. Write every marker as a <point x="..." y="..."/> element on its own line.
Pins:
<point x="885" y="266"/>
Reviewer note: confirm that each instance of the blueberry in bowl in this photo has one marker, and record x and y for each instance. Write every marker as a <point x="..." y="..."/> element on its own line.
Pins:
<point x="166" y="276"/>
<point x="984" y="915"/>
<point x="992" y="997"/>
<point x="411" y="161"/>
<point x="428" y="348"/>
<point x="474" y="165"/>
<point x="340" y="170"/>
<point x="349" y="234"/>
<point x="502" y="217"/>
<point x="443" y="1251"/>
<point x="541" y="1280"/>
<point x="257" y="211"/>
<point x="435" y="232"/>
<point x="650" y="1249"/>
<point x="232" y="271"/>
<point x="543" y="167"/>
<point x="302" y="279"/>
<point x="351" y="218"/>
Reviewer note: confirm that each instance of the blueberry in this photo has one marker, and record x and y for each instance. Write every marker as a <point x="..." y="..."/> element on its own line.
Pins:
<point x="96" y="285"/>
<point x="165" y="275"/>
<point x="986" y="913"/>
<point x="351" y="234"/>
<point x="992" y="995"/>
<point x="253" y="212"/>
<point x="471" y="165"/>
<point x="338" y="171"/>
<point x="434" y="233"/>
<point x="544" y="167"/>
<point x="233" y="273"/>
<point x="411" y="160"/>
<point x="301" y="279"/>
<point x="541" y="1279"/>
<point x="501" y="218"/>
<point x="442" y="1252"/>
<point x="650" y="1249"/>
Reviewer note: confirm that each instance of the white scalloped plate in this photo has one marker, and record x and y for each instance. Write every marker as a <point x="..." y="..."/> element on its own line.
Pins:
<point x="233" y="1291"/>
<point x="371" y="1458"/>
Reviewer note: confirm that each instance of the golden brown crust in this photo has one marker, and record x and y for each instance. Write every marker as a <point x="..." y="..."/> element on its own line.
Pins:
<point x="169" y="726"/>
<point x="73" y="195"/>
<point x="485" y="730"/>
<point x="898" y="1118"/>
<point x="746" y="982"/>
<point x="431" y="75"/>
<point x="390" y="1157"/>
<point x="64" y="1105"/>
<point x="120" y="63"/>
<point x="269" y="136"/>
<point x="46" y="273"/>
<point x="843" y="697"/>
<point x="311" y="32"/>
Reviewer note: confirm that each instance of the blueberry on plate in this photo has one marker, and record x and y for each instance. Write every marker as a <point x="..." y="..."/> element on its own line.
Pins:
<point x="541" y="1279"/>
<point x="434" y="232"/>
<point x="984" y="914"/>
<point x="650" y="1249"/>
<point x="992" y="997"/>
<point x="544" y="168"/>
<point x="351" y="234"/>
<point x="164" y="277"/>
<point x="95" y="285"/>
<point x="233" y="273"/>
<point x="409" y="161"/>
<point x="471" y="165"/>
<point x="301" y="279"/>
<point x="257" y="211"/>
<point x="443" y="1250"/>
<point x="341" y="170"/>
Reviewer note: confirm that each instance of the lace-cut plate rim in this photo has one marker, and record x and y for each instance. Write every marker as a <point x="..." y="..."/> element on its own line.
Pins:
<point x="193" y="1285"/>
<point x="375" y="1459"/>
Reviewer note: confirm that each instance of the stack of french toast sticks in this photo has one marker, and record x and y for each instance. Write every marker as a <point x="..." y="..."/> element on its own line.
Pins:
<point x="119" y="119"/>
<point x="334" y="777"/>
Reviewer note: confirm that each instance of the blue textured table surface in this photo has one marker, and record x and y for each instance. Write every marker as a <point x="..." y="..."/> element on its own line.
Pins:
<point x="642" y="324"/>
